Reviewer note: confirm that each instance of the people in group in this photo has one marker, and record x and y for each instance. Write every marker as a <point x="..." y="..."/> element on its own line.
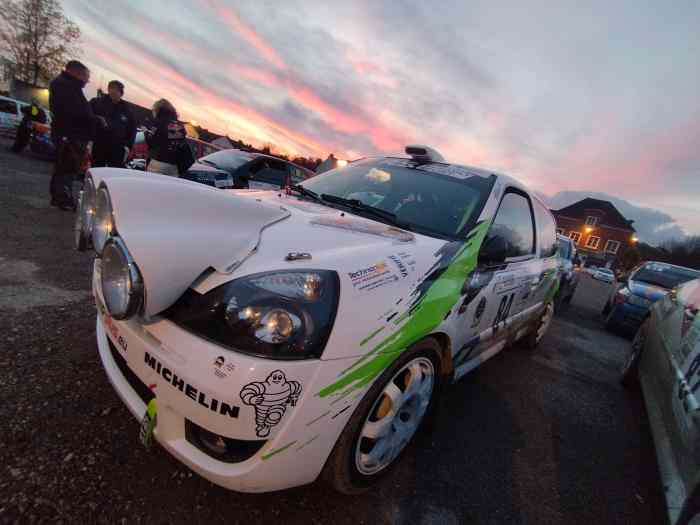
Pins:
<point x="116" y="127"/>
<point x="30" y="114"/>
<point x="166" y="140"/>
<point x="72" y="129"/>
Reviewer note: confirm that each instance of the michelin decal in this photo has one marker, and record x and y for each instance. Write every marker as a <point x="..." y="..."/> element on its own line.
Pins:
<point x="270" y="399"/>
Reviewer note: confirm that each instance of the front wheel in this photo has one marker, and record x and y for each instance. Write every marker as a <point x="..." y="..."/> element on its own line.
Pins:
<point x="386" y="420"/>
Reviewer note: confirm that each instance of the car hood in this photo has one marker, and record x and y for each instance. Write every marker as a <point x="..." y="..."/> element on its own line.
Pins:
<point x="176" y="229"/>
<point x="324" y="238"/>
<point x="204" y="168"/>
<point x="648" y="291"/>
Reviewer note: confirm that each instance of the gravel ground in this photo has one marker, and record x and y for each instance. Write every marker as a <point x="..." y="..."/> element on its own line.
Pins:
<point x="543" y="438"/>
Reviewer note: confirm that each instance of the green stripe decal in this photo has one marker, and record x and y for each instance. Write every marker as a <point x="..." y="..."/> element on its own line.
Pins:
<point x="442" y="295"/>
<point x="281" y="449"/>
<point x="370" y="336"/>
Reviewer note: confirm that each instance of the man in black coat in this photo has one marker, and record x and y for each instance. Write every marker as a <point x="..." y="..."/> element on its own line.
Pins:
<point x="72" y="128"/>
<point x="116" y="130"/>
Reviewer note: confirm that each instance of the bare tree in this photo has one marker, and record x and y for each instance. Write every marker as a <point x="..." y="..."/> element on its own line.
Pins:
<point x="37" y="37"/>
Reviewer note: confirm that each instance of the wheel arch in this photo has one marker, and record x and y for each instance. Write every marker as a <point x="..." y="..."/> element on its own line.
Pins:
<point x="446" y="362"/>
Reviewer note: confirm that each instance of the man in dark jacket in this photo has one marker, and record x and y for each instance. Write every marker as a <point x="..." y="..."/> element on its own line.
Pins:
<point x="72" y="128"/>
<point x="30" y="114"/>
<point x="116" y="130"/>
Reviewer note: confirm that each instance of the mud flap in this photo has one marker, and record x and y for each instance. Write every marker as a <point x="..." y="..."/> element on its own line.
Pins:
<point x="148" y="424"/>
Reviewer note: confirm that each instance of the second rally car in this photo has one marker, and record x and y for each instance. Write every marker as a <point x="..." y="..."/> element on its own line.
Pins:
<point x="265" y="338"/>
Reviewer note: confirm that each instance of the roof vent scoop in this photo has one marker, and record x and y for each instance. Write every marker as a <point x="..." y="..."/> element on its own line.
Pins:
<point x="421" y="153"/>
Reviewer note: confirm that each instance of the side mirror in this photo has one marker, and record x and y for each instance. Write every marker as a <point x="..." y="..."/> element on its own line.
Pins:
<point x="494" y="250"/>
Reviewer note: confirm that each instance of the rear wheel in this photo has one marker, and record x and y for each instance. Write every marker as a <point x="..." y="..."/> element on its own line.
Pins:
<point x="386" y="420"/>
<point x="630" y="370"/>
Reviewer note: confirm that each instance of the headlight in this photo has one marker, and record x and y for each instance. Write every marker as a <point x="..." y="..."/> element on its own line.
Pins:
<point x="281" y="315"/>
<point x="85" y="218"/>
<point x="104" y="220"/>
<point x="122" y="285"/>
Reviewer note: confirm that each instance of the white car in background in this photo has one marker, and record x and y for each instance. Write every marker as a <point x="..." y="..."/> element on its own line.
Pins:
<point x="10" y="115"/>
<point x="665" y="360"/>
<point x="266" y="338"/>
<point x="604" y="274"/>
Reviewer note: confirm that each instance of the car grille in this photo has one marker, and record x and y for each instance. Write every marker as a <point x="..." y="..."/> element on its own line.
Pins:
<point x="145" y="393"/>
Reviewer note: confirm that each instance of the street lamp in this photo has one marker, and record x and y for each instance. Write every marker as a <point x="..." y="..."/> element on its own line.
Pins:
<point x="634" y="239"/>
<point x="589" y="229"/>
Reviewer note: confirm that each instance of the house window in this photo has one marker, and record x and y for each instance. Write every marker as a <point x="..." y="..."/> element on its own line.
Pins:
<point x="575" y="236"/>
<point x="612" y="246"/>
<point x="591" y="220"/>
<point x="593" y="242"/>
<point x="560" y="231"/>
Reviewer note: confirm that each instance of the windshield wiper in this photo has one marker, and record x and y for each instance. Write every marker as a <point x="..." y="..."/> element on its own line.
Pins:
<point x="306" y="193"/>
<point x="208" y="163"/>
<point x="359" y="206"/>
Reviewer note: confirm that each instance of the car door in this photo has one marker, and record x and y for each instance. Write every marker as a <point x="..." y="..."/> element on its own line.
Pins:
<point x="267" y="174"/>
<point x="682" y="329"/>
<point x="9" y="115"/>
<point x="504" y="289"/>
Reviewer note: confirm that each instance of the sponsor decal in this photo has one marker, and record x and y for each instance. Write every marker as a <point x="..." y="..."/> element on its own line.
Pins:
<point x="277" y="451"/>
<point x="148" y="424"/>
<point x="114" y="331"/>
<point x="457" y="172"/>
<point x="192" y="392"/>
<point x="308" y="442"/>
<point x="372" y="277"/>
<point x="270" y="399"/>
<point x="221" y="368"/>
<point x="479" y="312"/>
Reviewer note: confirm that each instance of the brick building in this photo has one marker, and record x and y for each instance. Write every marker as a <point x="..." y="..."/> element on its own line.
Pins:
<point x="600" y="231"/>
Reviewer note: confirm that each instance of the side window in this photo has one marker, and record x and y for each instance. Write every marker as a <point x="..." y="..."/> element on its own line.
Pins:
<point x="269" y="171"/>
<point x="546" y="231"/>
<point x="513" y="223"/>
<point x="8" y="106"/>
<point x="296" y="174"/>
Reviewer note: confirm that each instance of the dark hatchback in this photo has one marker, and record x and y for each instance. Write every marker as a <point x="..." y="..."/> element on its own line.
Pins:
<point x="233" y="169"/>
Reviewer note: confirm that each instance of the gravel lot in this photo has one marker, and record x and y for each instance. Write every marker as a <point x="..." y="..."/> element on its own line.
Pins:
<point x="543" y="438"/>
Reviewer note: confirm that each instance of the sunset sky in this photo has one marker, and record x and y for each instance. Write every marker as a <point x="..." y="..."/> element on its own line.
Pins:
<point x="597" y="98"/>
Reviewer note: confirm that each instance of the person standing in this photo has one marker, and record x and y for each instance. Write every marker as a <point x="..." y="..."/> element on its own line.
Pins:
<point x="165" y="140"/>
<point x="72" y="129"/>
<point x="30" y="114"/>
<point x="116" y="128"/>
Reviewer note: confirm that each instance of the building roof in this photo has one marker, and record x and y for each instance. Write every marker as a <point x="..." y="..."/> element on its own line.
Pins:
<point x="608" y="213"/>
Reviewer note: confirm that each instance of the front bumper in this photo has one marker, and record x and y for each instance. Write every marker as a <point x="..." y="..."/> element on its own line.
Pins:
<point x="181" y="370"/>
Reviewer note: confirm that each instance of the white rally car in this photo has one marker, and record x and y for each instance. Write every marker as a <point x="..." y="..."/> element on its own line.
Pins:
<point x="264" y="338"/>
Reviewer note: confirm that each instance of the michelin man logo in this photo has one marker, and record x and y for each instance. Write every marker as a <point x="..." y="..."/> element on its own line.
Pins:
<point x="270" y="400"/>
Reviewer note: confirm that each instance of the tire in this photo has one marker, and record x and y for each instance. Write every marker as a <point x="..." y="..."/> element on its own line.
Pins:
<point x="532" y="340"/>
<point x="350" y="470"/>
<point x="629" y="378"/>
<point x="610" y="324"/>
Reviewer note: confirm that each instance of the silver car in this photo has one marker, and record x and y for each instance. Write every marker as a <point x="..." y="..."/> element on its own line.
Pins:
<point x="665" y="361"/>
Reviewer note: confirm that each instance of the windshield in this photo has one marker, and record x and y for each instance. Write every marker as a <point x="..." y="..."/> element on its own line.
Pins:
<point x="435" y="199"/>
<point x="564" y="249"/>
<point x="227" y="159"/>
<point x="664" y="276"/>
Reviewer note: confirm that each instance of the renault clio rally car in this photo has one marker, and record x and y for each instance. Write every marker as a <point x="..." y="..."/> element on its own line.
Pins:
<point x="264" y="338"/>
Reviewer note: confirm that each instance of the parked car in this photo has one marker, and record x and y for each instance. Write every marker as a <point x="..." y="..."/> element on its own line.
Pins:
<point x="199" y="147"/>
<point x="629" y="304"/>
<point x="266" y="338"/>
<point x="665" y="360"/>
<point x="10" y="116"/>
<point x="568" y="263"/>
<point x="603" y="274"/>
<point x="232" y="168"/>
